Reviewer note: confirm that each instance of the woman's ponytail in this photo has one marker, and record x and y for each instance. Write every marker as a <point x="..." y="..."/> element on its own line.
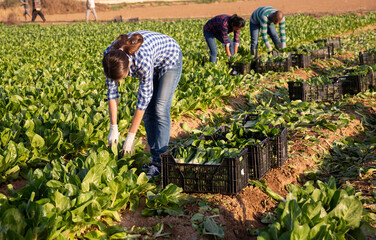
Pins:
<point x="116" y="62"/>
<point x="130" y="45"/>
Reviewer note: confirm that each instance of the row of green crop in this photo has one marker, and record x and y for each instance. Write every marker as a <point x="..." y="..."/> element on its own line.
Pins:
<point x="331" y="205"/>
<point x="320" y="210"/>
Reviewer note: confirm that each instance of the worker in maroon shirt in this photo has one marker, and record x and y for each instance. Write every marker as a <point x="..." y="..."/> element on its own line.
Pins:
<point x="218" y="28"/>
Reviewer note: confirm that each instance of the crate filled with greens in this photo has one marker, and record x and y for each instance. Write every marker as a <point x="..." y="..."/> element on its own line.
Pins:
<point x="318" y="50"/>
<point x="206" y="167"/>
<point x="256" y="143"/>
<point x="367" y="58"/>
<point x="278" y="63"/>
<point x="301" y="59"/>
<point x="323" y="53"/>
<point x="336" y="41"/>
<point x="358" y="80"/>
<point x="277" y="138"/>
<point x="317" y="89"/>
<point x="241" y="64"/>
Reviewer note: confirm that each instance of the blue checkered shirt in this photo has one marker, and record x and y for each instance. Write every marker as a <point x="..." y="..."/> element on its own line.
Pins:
<point x="158" y="54"/>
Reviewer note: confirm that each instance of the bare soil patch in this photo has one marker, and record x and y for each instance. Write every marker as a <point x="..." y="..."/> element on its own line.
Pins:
<point x="17" y="185"/>
<point x="70" y="11"/>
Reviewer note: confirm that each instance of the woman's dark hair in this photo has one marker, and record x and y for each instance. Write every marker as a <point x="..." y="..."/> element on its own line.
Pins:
<point x="236" y="21"/>
<point x="115" y="62"/>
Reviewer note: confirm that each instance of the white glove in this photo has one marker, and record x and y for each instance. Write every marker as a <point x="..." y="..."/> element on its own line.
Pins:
<point x="128" y="146"/>
<point x="113" y="136"/>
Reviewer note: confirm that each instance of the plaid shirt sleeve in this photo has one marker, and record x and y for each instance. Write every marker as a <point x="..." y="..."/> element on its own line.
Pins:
<point x="112" y="89"/>
<point x="236" y="37"/>
<point x="224" y="32"/>
<point x="226" y="38"/>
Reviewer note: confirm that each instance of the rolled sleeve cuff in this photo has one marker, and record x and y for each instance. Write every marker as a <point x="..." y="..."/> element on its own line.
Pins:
<point x="142" y="104"/>
<point x="237" y="44"/>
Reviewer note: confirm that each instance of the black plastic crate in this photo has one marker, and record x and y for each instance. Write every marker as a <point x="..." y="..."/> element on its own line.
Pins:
<point x="278" y="66"/>
<point x="323" y="53"/>
<point x="320" y="93"/>
<point x="336" y="41"/>
<point x="278" y="144"/>
<point x="357" y="83"/>
<point x="259" y="159"/>
<point x="230" y="177"/>
<point x="258" y="154"/>
<point x="239" y="68"/>
<point x="301" y="60"/>
<point x="278" y="148"/>
<point x="367" y="58"/>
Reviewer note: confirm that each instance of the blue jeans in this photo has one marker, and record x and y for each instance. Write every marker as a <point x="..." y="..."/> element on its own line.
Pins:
<point x="210" y="40"/>
<point x="255" y="29"/>
<point x="157" y="115"/>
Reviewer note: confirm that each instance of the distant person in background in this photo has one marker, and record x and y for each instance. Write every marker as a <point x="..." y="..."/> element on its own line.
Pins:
<point x="90" y="7"/>
<point x="218" y="28"/>
<point x="37" y="10"/>
<point x="264" y="18"/>
<point x="25" y="4"/>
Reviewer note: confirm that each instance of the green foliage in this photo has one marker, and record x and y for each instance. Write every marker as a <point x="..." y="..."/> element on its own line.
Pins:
<point x="205" y="224"/>
<point x="316" y="212"/>
<point x="273" y="58"/>
<point x="205" y="154"/>
<point x="66" y="196"/>
<point x="362" y="70"/>
<point x="316" y="81"/>
<point x="167" y="201"/>
<point x="118" y="232"/>
<point x="245" y="58"/>
<point x="262" y="185"/>
<point x="54" y="123"/>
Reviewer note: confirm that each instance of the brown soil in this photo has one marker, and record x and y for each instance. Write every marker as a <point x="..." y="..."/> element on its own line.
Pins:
<point x="16" y="184"/>
<point x="71" y="11"/>
<point x="67" y="6"/>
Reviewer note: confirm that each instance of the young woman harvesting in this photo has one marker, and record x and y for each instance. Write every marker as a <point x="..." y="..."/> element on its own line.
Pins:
<point x="156" y="60"/>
